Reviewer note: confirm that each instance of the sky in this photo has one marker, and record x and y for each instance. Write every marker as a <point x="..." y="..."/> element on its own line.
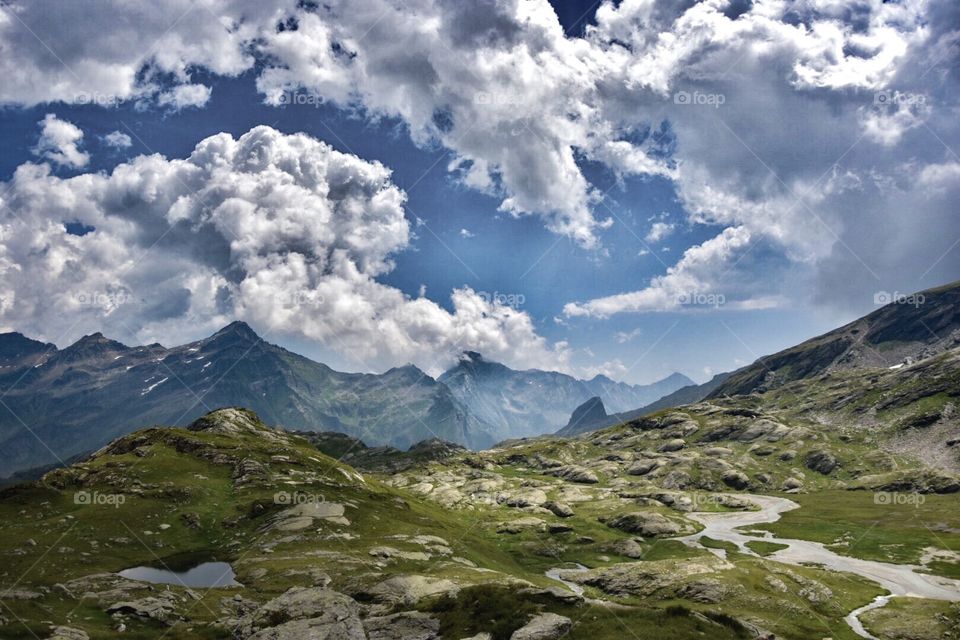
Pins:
<point x="629" y="188"/>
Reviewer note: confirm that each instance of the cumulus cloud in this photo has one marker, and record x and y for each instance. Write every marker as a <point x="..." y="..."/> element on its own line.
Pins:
<point x="695" y="281"/>
<point x="117" y="140"/>
<point x="184" y="95"/>
<point x="280" y="230"/>
<point x="60" y="142"/>
<point x="768" y="118"/>
<point x="659" y="231"/>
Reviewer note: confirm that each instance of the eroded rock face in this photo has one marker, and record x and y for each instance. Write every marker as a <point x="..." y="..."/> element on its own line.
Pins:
<point x="68" y="633"/>
<point x="161" y="608"/>
<point x="408" y="590"/>
<point x="821" y="462"/>
<point x="311" y="612"/>
<point x="645" y="524"/>
<point x="546" y="626"/>
<point x="407" y="625"/>
<point x="575" y="473"/>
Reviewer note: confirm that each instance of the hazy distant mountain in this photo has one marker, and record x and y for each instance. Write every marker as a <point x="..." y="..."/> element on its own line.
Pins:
<point x="592" y="414"/>
<point x="908" y="329"/>
<point x="534" y="402"/>
<point x="58" y="403"/>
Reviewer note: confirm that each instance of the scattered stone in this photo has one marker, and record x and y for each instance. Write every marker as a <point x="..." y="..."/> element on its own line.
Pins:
<point x="575" y="473"/>
<point x="736" y="479"/>
<point x="67" y="633"/>
<point x="559" y="509"/>
<point x="673" y="445"/>
<point x="546" y="626"/>
<point x="821" y="462"/>
<point x="407" y="625"/>
<point x="645" y="524"/>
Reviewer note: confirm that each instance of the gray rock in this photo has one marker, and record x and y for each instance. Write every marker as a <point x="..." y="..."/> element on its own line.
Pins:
<point x="546" y="626"/>
<point x="312" y="612"/>
<point x="643" y="467"/>
<point x="408" y="590"/>
<point x="407" y="625"/>
<point x="559" y="509"/>
<point x="68" y="633"/>
<point x="575" y="473"/>
<point x="646" y="524"/>
<point x="736" y="479"/>
<point x="821" y="462"/>
<point x="673" y="445"/>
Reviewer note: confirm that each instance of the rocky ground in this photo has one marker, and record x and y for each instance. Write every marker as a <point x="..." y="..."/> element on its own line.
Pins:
<point x="454" y="544"/>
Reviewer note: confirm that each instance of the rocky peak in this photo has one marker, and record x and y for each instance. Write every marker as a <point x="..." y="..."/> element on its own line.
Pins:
<point x="588" y="412"/>
<point x="235" y="332"/>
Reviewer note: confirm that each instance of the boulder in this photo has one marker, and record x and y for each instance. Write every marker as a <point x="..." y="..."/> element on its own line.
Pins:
<point x="821" y="461"/>
<point x="407" y="625"/>
<point x="304" y="612"/>
<point x="647" y="524"/>
<point x="407" y="591"/>
<point x="736" y="479"/>
<point x="673" y="445"/>
<point x="67" y="633"/>
<point x="546" y="626"/>
<point x="559" y="509"/>
<point x="575" y="473"/>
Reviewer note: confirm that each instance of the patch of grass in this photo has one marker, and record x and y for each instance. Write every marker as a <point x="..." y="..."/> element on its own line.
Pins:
<point x="497" y="610"/>
<point x="711" y="543"/>
<point x="854" y="524"/>
<point x="765" y="548"/>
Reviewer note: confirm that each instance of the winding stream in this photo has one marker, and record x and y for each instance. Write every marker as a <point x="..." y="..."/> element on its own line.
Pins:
<point x="901" y="580"/>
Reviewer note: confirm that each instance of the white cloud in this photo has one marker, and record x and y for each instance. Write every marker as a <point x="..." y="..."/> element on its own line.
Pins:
<point x="117" y="140"/>
<point x="466" y="233"/>
<point x="520" y="105"/>
<point x="60" y="142"/>
<point x="280" y="230"/>
<point x="698" y="273"/>
<point x="659" y="231"/>
<point x="184" y="95"/>
<point x="626" y="336"/>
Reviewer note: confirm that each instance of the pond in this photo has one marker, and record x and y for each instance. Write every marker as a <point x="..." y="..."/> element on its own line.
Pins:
<point x="204" y="575"/>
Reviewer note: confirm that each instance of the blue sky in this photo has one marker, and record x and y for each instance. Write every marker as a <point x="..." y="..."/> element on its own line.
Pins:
<point x="754" y="205"/>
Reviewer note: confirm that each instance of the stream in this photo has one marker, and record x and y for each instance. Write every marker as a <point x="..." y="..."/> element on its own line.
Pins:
<point x="901" y="580"/>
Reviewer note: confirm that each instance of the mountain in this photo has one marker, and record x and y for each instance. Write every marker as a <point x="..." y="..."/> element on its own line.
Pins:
<point x="534" y="402"/>
<point x="592" y="414"/>
<point x="907" y="329"/>
<point x="58" y="403"/>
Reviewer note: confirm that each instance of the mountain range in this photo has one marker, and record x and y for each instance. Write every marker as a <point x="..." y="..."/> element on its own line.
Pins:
<point x="56" y="404"/>
<point x="534" y="402"/>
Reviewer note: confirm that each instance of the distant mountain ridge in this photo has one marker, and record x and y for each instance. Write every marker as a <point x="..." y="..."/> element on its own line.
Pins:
<point x="905" y="330"/>
<point x="61" y="402"/>
<point x="535" y="402"/>
<point x="592" y="414"/>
